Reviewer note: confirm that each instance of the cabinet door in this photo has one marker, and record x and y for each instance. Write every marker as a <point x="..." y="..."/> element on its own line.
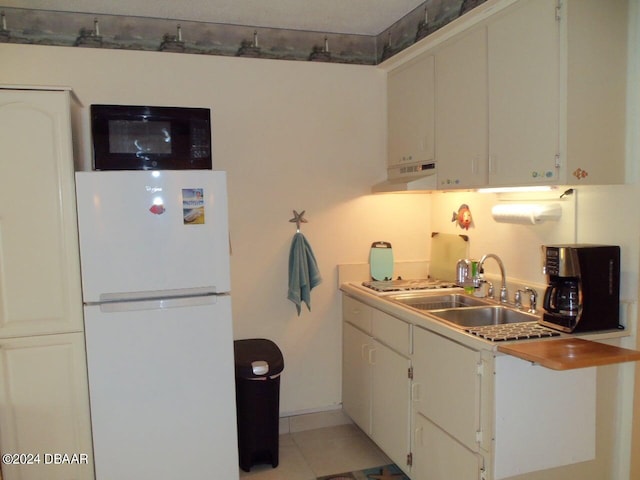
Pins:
<point x="437" y="456"/>
<point x="410" y="112"/>
<point x="39" y="263"/>
<point x="461" y="111"/>
<point x="44" y="406"/>
<point x="391" y="403"/>
<point x="524" y="94"/>
<point x="446" y="386"/>
<point x="356" y="376"/>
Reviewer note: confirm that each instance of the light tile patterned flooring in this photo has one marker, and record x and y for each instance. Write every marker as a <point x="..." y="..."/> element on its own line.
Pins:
<point x="309" y="454"/>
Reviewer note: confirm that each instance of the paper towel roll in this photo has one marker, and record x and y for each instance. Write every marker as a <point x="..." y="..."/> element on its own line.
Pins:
<point x="526" y="214"/>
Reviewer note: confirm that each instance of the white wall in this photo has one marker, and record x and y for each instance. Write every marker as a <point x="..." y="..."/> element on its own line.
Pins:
<point x="291" y="135"/>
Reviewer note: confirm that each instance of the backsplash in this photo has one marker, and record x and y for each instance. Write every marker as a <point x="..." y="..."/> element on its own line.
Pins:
<point x="46" y="27"/>
<point x="518" y="245"/>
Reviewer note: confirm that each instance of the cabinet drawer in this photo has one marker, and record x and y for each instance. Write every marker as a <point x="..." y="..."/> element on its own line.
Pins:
<point x="392" y="332"/>
<point x="357" y="313"/>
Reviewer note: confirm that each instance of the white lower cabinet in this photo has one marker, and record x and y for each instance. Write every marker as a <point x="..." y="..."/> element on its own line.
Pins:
<point x="376" y="385"/>
<point x="442" y="410"/>
<point x="446" y="385"/>
<point x="44" y="408"/>
<point x="438" y="456"/>
<point x="446" y="409"/>
<point x="417" y="394"/>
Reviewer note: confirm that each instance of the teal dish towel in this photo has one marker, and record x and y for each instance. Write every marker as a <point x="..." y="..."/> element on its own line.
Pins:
<point x="303" y="272"/>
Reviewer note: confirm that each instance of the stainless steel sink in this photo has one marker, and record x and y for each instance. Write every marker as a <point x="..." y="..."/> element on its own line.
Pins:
<point x="464" y="311"/>
<point x="437" y="302"/>
<point x="483" y="316"/>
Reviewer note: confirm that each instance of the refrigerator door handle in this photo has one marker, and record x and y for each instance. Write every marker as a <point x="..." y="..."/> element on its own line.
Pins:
<point x="122" y="302"/>
<point x="157" y="294"/>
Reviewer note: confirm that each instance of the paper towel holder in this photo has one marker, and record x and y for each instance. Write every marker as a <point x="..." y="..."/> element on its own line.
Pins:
<point x="526" y="213"/>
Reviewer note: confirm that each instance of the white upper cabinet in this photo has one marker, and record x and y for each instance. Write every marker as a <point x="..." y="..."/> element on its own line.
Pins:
<point x="39" y="263"/>
<point x="410" y="113"/>
<point x="461" y="111"/>
<point x="594" y="103"/>
<point x="532" y="94"/>
<point x="524" y="97"/>
<point x="557" y="93"/>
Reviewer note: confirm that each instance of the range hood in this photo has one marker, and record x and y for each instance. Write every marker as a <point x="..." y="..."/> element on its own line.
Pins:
<point x="408" y="178"/>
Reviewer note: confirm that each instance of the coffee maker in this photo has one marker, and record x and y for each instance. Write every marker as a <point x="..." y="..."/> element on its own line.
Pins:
<point x="583" y="292"/>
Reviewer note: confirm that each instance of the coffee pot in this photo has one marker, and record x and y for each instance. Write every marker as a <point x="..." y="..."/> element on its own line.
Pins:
<point x="563" y="297"/>
<point x="583" y="291"/>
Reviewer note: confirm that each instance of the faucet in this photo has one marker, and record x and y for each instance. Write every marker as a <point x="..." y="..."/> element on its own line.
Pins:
<point x="533" y="299"/>
<point x="503" y="287"/>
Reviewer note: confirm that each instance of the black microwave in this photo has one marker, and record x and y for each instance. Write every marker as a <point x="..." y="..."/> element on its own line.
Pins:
<point x="131" y="137"/>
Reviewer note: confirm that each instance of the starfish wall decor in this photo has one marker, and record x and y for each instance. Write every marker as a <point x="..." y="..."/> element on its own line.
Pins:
<point x="298" y="218"/>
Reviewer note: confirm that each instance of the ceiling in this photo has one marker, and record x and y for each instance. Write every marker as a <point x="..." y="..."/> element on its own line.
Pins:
<point x="358" y="17"/>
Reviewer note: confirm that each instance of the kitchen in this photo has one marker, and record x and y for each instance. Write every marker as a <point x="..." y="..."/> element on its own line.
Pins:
<point x="286" y="130"/>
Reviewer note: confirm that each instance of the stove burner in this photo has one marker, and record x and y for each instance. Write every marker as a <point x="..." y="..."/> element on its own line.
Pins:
<point x="407" y="285"/>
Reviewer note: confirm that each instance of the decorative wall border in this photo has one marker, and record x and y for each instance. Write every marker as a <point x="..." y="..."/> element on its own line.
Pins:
<point x="46" y="27"/>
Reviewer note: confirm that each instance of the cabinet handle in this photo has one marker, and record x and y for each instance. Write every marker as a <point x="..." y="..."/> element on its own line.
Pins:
<point x="415" y="392"/>
<point x="493" y="164"/>
<point x="372" y="356"/>
<point x="417" y="435"/>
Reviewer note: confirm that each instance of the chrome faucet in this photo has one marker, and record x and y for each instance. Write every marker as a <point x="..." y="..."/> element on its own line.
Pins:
<point x="503" y="287"/>
<point x="533" y="299"/>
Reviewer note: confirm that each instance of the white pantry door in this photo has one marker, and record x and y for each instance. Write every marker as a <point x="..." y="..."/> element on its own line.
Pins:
<point x="39" y="264"/>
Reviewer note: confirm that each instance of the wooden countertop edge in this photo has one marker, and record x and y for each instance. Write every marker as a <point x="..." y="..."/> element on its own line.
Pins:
<point x="570" y="353"/>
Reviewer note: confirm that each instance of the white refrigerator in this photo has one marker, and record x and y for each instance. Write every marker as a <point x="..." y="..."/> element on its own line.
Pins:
<point x="154" y="250"/>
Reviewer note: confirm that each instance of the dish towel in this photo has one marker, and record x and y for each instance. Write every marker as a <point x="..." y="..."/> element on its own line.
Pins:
<point x="303" y="272"/>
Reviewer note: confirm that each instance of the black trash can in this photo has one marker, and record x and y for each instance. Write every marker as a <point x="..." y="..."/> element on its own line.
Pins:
<point x="259" y="363"/>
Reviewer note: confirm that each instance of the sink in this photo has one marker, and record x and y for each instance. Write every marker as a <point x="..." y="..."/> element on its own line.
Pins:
<point x="438" y="302"/>
<point x="464" y="311"/>
<point x="483" y="316"/>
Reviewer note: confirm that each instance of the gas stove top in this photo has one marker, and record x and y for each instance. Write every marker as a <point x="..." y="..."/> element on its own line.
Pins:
<point x="389" y="286"/>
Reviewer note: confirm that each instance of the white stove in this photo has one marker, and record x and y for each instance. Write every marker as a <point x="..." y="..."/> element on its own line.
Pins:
<point x="382" y="287"/>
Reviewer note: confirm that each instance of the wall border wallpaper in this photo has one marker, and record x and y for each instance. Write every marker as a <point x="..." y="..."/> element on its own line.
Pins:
<point x="46" y="27"/>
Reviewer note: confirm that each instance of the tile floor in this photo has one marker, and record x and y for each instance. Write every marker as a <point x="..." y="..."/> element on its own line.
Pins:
<point x="309" y="454"/>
